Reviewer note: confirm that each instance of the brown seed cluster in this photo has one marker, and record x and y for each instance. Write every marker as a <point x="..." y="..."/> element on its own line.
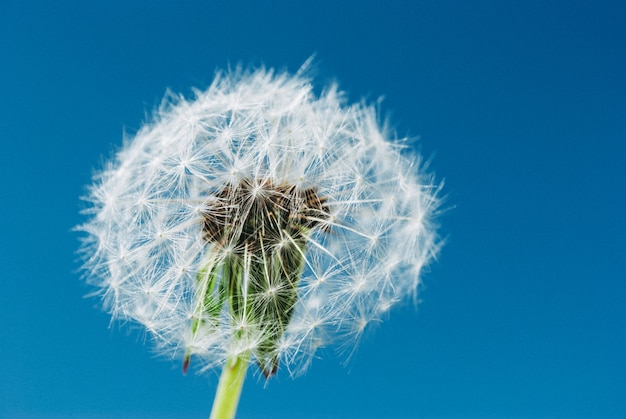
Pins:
<point x="257" y="215"/>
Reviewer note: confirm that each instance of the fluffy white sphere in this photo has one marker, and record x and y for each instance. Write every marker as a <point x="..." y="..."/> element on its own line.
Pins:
<point x="321" y="179"/>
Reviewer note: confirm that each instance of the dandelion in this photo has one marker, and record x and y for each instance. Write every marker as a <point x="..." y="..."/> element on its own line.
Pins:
<point x="257" y="223"/>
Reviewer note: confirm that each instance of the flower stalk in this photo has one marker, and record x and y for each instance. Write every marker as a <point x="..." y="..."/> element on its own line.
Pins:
<point x="229" y="387"/>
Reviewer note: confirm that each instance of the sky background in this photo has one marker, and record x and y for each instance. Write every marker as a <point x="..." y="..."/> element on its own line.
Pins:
<point x="520" y="104"/>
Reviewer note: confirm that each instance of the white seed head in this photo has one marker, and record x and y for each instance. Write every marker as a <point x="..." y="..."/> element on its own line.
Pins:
<point x="258" y="217"/>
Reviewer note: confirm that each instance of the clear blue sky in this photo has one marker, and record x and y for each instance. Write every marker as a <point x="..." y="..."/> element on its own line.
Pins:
<point x="520" y="104"/>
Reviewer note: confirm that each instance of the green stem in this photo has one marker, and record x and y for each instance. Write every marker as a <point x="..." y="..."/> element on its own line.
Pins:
<point x="229" y="387"/>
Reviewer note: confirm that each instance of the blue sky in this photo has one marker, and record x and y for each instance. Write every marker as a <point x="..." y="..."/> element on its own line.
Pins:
<point x="522" y="107"/>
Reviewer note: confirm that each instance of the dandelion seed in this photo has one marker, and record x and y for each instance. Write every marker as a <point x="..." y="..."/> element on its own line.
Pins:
<point x="258" y="222"/>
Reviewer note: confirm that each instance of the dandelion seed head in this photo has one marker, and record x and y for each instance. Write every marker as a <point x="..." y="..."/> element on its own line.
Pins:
<point x="261" y="217"/>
